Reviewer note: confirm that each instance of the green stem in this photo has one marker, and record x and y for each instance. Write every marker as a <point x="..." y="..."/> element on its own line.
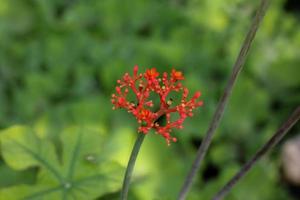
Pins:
<point x="130" y="165"/>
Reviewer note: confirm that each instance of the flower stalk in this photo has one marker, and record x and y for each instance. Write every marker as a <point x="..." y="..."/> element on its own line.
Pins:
<point x="238" y="65"/>
<point x="281" y="132"/>
<point x="145" y="112"/>
<point x="130" y="165"/>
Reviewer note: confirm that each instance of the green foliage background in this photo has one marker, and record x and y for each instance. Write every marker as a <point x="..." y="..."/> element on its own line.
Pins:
<point x="59" y="62"/>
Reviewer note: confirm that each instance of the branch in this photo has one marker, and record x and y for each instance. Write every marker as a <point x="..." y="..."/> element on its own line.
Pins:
<point x="224" y="99"/>
<point x="281" y="132"/>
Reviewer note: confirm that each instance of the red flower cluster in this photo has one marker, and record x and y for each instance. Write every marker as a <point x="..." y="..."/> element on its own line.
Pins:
<point x="142" y="85"/>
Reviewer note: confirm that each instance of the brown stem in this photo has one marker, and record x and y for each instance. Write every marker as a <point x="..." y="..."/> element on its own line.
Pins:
<point x="281" y="132"/>
<point x="224" y="99"/>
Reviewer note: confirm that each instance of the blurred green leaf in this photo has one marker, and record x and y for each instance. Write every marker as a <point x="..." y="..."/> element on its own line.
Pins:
<point x="78" y="172"/>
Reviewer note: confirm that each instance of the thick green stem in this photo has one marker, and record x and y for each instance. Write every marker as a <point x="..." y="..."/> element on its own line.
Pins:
<point x="130" y="165"/>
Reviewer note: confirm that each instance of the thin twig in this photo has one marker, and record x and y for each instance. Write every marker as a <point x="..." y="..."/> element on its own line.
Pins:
<point x="130" y="165"/>
<point x="223" y="101"/>
<point x="281" y="132"/>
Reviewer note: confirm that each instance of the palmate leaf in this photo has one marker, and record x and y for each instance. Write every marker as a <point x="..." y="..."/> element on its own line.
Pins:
<point x="78" y="170"/>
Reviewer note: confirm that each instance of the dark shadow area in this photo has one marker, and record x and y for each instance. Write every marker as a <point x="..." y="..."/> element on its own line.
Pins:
<point x="292" y="6"/>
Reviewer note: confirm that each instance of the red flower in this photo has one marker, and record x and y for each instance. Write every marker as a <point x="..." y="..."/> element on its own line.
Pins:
<point x="177" y="75"/>
<point x="151" y="73"/>
<point x="144" y="114"/>
<point x="142" y="85"/>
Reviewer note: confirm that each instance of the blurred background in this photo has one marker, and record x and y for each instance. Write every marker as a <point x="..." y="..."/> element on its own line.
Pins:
<point x="59" y="62"/>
